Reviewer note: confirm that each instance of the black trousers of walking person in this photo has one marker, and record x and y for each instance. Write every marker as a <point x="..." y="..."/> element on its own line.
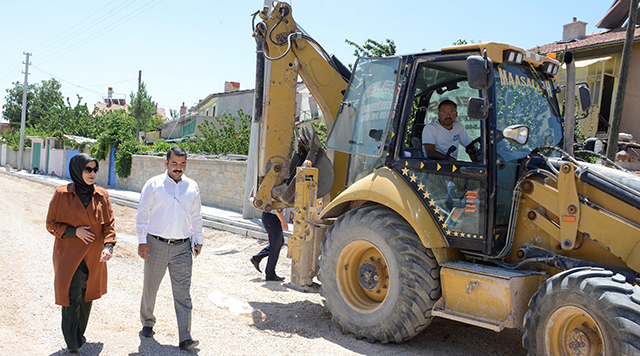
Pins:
<point x="273" y="226"/>
<point x="76" y="316"/>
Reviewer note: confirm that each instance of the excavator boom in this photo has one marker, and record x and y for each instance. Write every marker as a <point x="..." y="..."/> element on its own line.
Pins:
<point x="289" y="53"/>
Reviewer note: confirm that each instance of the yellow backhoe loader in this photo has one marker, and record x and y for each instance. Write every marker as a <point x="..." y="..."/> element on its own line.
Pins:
<point x="527" y="236"/>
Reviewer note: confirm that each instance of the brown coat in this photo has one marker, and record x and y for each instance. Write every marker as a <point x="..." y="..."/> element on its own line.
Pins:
<point x="66" y="209"/>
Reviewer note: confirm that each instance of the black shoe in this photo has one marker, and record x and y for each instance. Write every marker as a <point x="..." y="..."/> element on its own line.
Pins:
<point x="275" y="279"/>
<point x="147" y="331"/>
<point x="73" y="352"/>
<point x="256" y="263"/>
<point x="188" y="344"/>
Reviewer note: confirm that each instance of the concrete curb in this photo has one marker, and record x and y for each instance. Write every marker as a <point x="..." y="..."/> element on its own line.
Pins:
<point x="211" y="221"/>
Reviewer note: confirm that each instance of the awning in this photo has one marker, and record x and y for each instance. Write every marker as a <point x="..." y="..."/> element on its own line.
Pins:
<point x="179" y="139"/>
<point x="80" y="139"/>
<point x="588" y="62"/>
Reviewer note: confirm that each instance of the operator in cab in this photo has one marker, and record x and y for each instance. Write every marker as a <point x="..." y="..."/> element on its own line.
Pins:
<point x="441" y="138"/>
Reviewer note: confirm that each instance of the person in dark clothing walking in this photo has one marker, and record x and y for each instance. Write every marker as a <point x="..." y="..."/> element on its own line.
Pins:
<point x="275" y="224"/>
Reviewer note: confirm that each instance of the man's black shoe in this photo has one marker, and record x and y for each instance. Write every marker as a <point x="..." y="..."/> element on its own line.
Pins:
<point x="147" y="331"/>
<point x="275" y="279"/>
<point x="256" y="263"/>
<point x="188" y="344"/>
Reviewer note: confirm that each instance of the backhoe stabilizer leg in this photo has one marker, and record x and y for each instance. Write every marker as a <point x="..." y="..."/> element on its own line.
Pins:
<point x="304" y="244"/>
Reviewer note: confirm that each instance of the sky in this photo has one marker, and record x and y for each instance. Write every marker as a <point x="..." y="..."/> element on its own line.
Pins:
<point x="187" y="49"/>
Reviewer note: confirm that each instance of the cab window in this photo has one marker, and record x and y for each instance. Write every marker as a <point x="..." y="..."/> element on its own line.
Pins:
<point x="438" y="81"/>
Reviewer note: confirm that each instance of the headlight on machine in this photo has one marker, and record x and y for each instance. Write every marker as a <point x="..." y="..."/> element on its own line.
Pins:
<point x="512" y="56"/>
<point x="550" y="69"/>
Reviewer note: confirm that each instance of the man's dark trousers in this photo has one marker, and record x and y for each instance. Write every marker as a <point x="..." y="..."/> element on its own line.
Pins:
<point x="273" y="226"/>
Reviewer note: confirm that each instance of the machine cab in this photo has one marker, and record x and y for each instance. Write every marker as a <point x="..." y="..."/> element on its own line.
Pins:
<point x="391" y="112"/>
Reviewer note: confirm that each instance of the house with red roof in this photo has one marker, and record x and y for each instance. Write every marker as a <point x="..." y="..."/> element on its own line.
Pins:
<point x="598" y="58"/>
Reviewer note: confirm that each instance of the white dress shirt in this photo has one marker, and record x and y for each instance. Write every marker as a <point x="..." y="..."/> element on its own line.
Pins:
<point x="170" y="210"/>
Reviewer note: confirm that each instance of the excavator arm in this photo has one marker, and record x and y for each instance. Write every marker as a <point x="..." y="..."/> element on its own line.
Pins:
<point x="285" y="52"/>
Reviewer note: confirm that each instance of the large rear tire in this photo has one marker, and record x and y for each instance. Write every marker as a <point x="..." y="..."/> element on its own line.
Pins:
<point x="584" y="311"/>
<point x="379" y="281"/>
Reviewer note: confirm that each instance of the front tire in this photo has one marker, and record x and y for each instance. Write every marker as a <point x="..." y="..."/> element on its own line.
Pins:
<point x="584" y="311"/>
<point x="379" y="281"/>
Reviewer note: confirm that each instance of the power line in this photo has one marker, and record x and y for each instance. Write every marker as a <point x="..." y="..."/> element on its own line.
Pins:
<point x="113" y="83"/>
<point x="51" y="41"/>
<point x="173" y="91"/>
<point x="102" y="31"/>
<point x="12" y="67"/>
<point x="68" y="82"/>
<point x="85" y="29"/>
<point x="106" y="84"/>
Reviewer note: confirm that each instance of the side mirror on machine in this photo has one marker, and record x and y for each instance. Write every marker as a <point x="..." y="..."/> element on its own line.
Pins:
<point x="518" y="134"/>
<point x="479" y="76"/>
<point x="477" y="109"/>
<point x="479" y="72"/>
<point x="585" y="97"/>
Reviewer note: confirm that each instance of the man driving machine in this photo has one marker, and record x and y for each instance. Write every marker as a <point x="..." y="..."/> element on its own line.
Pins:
<point x="441" y="138"/>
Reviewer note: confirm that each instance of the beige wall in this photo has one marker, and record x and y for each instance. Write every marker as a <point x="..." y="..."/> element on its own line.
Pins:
<point x="56" y="161"/>
<point x="221" y="181"/>
<point x="594" y="74"/>
<point x="12" y="158"/>
<point x="631" y="111"/>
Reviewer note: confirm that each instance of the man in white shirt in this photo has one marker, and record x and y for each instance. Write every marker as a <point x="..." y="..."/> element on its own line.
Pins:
<point x="169" y="228"/>
<point x="438" y="137"/>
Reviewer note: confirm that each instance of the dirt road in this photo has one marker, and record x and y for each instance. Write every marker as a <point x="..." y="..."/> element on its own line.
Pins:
<point x="235" y="311"/>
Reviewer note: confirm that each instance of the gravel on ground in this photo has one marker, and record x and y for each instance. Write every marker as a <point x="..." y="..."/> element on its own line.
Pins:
<point x="235" y="311"/>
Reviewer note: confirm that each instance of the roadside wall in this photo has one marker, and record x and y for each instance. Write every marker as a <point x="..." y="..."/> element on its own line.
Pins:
<point x="57" y="162"/>
<point x="12" y="158"/>
<point x="221" y="181"/>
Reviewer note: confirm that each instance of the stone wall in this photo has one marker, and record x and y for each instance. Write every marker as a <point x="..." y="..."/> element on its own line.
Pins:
<point x="221" y="181"/>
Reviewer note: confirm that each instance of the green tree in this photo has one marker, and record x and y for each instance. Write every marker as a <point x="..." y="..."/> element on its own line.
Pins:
<point x="12" y="109"/>
<point x="48" y="103"/>
<point x="226" y="137"/>
<point x="70" y="120"/>
<point x="127" y="148"/>
<point x="460" y="42"/>
<point x="118" y="131"/>
<point x="174" y="114"/>
<point x="143" y="108"/>
<point x="48" y="111"/>
<point x="372" y="48"/>
<point x="12" y="137"/>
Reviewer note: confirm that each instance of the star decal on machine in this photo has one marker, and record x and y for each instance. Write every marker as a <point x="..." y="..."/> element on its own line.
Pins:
<point x="446" y="219"/>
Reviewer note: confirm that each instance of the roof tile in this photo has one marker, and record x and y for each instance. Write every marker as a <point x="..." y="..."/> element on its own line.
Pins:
<point x="592" y="39"/>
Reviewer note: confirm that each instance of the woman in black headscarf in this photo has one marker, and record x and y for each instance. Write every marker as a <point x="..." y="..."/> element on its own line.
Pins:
<point x="81" y="219"/>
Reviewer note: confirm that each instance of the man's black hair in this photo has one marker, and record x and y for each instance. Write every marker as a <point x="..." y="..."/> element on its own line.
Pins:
<point x="447" y="102"/>
<point x="176" y="150"/>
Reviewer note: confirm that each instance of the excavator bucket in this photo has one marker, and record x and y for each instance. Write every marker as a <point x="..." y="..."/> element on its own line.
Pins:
<point x="309" y="149"/>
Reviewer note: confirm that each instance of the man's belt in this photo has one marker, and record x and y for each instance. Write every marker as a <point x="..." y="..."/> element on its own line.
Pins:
<point x="170" y="241"/>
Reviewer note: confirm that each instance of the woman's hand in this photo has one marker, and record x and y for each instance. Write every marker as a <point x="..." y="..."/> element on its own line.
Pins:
<point x="83" y="233"/>
<point x="106" y="255"/>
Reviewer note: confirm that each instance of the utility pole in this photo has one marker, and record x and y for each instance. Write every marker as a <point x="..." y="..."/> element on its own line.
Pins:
<point x="137" y="98"/>
<point x="614" y="127"/>
<point x="570" y="104"/>
<point x="251" y="180"/>
<point x="23" y="118"/>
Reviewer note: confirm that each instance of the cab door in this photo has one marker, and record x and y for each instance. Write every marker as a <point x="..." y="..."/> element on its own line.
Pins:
<point x="454" y="193"/>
